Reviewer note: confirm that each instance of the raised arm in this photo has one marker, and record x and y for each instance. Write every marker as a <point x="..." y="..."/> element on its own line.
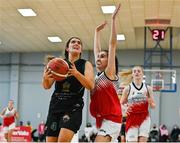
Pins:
<point x="97" y="45"/>
<point x="111" y="68"/>
<point x="150" y="97"/>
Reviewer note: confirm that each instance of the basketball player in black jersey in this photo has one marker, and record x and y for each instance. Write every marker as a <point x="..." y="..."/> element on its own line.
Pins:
<point x="65" y="109"/>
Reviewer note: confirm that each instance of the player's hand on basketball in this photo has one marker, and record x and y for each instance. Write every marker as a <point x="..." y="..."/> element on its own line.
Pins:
<point x="47" y="73"/>
<point x="116" y="11"/>
<point x="72" y="71"/>
<point x="101" y="26"/>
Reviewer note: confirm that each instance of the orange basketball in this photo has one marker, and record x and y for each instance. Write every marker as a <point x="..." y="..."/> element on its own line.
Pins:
<point x="59" y="68"/>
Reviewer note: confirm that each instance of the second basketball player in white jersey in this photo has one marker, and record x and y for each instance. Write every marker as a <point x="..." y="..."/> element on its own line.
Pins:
<point x="9" y="114"/>
<point x="139" y="97"/>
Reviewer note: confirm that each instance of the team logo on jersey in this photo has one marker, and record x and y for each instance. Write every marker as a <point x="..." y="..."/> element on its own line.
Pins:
<point x="66" y="118"/>
<point x="66" y="87"/>
<point x="54" y="126"/>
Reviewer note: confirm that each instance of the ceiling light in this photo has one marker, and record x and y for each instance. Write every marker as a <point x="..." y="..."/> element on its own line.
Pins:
<point x="108" y="9"/>
<point x="27" y="12"/>
<point x="54" y="39"/>
<point x="121" y="37"/>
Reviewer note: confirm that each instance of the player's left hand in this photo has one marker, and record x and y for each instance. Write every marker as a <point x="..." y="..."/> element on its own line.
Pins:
<point x="72" y="71"/>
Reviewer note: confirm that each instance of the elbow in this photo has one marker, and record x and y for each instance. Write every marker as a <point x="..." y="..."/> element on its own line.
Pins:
<point x="46" y="86"/>
<point x="153" y="105"/>
<point x="91" y="86"/>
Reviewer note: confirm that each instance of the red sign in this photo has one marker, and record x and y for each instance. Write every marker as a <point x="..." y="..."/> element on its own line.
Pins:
<point x="21" y="134"/>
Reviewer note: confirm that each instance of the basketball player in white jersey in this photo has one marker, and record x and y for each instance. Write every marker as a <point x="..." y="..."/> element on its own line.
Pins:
<point x="139" y="96"/>
<point x="9" y="114"/>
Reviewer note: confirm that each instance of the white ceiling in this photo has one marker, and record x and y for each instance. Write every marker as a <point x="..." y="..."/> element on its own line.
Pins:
<point x="66" y="18"/>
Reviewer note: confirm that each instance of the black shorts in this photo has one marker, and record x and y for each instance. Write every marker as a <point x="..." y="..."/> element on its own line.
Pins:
<point x="68" y="120"/>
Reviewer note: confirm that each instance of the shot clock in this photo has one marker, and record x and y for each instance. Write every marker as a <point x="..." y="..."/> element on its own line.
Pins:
<point x="158" y="34"/>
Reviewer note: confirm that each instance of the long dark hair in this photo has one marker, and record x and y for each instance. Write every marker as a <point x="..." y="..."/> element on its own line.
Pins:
<point x="66" y="53"/>
<point x="116" y="61"/>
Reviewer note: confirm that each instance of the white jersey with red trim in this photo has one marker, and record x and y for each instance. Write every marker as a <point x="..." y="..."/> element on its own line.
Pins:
<point x="137" y="98"/>
<point x="137" y="111"/>
<point x="105" y="103"/>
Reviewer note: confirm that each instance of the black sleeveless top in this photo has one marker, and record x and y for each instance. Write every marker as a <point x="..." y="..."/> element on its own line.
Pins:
<point x="68" y="93"/>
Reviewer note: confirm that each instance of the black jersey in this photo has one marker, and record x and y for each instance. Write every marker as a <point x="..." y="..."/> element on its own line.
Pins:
<point x="68" y="93"/>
